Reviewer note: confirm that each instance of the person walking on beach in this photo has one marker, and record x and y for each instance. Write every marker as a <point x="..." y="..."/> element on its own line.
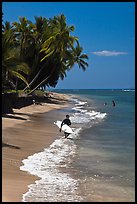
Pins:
<point x="67" y="122"/>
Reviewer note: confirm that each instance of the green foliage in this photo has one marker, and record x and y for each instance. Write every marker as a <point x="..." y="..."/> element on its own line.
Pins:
<point x="39" y="54"/>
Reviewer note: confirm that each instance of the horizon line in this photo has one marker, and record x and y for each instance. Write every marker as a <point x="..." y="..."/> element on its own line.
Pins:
<point x="95" y="88"/>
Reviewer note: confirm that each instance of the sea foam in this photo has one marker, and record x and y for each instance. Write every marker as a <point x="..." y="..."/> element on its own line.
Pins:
<point x="82" y="114"/>
<point x="53" y="185"/>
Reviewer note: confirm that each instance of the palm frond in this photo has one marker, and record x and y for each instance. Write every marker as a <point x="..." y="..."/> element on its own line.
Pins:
<point x="19" y="76"/>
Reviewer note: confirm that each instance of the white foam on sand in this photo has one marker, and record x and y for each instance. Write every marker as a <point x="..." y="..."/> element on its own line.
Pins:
<point x="53" y="184"/>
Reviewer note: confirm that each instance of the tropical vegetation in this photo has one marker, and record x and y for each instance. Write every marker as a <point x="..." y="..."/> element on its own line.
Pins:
<point x="37" y="55"/>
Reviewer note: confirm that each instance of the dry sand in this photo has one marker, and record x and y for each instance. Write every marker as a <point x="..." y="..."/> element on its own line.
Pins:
<point x="24" y="133"/>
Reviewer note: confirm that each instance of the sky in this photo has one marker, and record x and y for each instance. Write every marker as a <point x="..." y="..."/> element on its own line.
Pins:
<point x="106" y="31"/>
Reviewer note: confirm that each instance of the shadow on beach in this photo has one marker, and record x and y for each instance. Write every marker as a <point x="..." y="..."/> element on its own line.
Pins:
<point x="13" y="117"/>
<point x="56" y="100"/>
<point x="11" y="146"/>
<point x="25" y="114"/>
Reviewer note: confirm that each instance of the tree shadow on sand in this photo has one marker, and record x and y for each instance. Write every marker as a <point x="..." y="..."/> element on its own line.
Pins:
<point x="10" y="146"/>
<point x="26" y="114"/>
<point x="13" y="117"/>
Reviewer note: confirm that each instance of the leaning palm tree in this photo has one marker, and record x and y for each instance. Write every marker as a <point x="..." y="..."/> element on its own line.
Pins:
<point x="40" y="32"/>
<point x="56" y="44"/>
<point x="58" y="53"/>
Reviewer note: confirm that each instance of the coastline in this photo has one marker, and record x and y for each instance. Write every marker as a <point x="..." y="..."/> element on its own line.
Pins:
<point x="23" y="135"/>
<point x="82" y="174"/>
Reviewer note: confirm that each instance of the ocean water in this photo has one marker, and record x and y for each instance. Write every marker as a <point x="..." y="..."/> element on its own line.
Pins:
<point x="97" y="161"/>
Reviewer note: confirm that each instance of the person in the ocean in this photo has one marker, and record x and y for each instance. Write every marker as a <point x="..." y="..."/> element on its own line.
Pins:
<point x="113" y="103"/>
<point x="67" y="122"/>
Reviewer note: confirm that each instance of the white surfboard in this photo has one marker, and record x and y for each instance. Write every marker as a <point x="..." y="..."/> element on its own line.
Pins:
<point x="65" y="128"/>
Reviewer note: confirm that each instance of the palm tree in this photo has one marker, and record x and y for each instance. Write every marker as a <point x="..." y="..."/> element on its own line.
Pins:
<point x="78" y="57"/>
<point x="39" y="29"/>
<point x="24" y="37"/>
<point x="23" y="30"/>
<point x="52" y="50"/>
<point x="55" y="47"/>
<point x="12" y="67"/>
<point x="60" y="40"/>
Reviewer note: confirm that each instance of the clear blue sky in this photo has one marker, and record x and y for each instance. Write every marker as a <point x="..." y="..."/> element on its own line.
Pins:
<point x="106" y="31"/>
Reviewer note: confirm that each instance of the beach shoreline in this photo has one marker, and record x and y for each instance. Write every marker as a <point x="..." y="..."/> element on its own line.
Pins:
<point x="76" y="169"/>
<point x="17" y="145"/>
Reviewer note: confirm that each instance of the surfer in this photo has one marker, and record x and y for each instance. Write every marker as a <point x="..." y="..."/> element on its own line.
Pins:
<point x="67" y="122"/>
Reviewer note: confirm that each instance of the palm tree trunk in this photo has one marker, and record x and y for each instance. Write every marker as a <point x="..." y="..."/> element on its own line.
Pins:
<point x="7" y="75"/>
<point x="34" y="78"/>
<point x="37" y="75"/>
<point x="39" y="84"/>
<point x="16" y="85"/>
<point x="42" y="82"/>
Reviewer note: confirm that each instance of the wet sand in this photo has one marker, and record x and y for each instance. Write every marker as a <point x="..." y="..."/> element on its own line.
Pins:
<point x="27" y="131"/>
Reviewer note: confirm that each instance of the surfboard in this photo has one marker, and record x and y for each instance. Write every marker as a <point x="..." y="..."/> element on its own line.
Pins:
<point x="65" y="127"/>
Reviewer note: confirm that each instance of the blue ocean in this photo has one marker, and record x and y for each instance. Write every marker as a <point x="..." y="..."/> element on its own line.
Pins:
<point x="97" y="162"/>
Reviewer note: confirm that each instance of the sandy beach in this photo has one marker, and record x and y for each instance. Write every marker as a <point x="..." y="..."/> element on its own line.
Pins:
<point x="25" y="133"/>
